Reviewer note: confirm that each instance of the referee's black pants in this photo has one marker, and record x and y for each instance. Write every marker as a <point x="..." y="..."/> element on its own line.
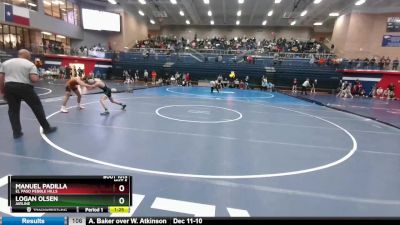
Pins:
<point x="14" y="94"/>
<point x="303" y="90"/>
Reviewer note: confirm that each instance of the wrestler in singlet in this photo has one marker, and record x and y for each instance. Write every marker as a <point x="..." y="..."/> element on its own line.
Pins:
<point x="107" y="94"/>
<point x="106" y="90"/>
<point x="72" y="85"/>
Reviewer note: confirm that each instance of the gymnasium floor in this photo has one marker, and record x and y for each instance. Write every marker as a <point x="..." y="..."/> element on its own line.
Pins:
<point x="237" y="153"/>
<point x="386" y="111"/>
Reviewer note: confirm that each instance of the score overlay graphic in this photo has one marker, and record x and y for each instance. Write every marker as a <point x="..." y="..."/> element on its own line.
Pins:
<point x="79" y="194"/>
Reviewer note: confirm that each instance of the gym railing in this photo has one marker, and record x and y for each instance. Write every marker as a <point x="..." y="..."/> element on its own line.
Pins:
<point x="215" y="52"/>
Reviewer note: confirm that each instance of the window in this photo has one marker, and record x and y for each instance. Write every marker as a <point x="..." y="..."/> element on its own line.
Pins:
<point x="62" y="9"/>
<point x="69" y="11"/>
<point x="55" y="44"/>
<point x="13" y="37"/>
<point x="76" y="13"/>
<point x="30" y="4"/>
<point x="55" y="8"/>
<point x="47" y="7"/>
<point x="1" y="42"/>
<point x="2" y="39"/>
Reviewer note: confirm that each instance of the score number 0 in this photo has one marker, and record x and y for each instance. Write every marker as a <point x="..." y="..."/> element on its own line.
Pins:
<point x="121" y="200"/>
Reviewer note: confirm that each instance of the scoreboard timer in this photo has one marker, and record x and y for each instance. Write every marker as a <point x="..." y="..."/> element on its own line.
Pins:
<point x="75" y="194"/>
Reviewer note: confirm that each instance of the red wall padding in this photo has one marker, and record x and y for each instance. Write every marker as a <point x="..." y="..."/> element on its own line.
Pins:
<point x="391" y="78"/>
<point x="89" y="64"/>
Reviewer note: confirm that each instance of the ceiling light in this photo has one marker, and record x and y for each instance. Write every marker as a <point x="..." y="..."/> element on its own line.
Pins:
<point x="46" y="33"/>
<point x="277" y="1"/>
<point x="212" y="22"/>
<point x="141" y="12"/>
<point x="58" y="2"/>
<point x="360" y="2"/>
<point x="293" y="23"/>
<point x="181" y="13"/>
<point x="187" y="22"/>
<point x="143" y="2"/>
<point x="32" y="4"/>
<point x="317" y="1"/>
<point x="152" y="22"/>
<point x="112" y="2"/>
<point x="334" y="14"/>
<point x="238" y="22"/>
<point x="60" y="36"/>
<point x="264" y="23"/>
<point x="209" y="13"/>
<point x="270" y="13"/>
<point x="318" y="24"/>
<point x="206" y="2"/>
<point x="304" y="13"/>
<point x="173" y="2"/>
<point x="241" y="1"/>
<point x="239" y="13"/>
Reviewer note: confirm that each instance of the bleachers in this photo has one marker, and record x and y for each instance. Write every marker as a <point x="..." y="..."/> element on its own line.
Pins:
<point x="280" y="73"/>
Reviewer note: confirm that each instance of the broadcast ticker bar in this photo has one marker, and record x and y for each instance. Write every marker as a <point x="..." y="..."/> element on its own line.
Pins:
<point x="183" y="221"/>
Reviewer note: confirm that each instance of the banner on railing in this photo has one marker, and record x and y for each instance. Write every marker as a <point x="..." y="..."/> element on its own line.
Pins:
<point x="391" y="41"/>
<point x="97" y="52"/>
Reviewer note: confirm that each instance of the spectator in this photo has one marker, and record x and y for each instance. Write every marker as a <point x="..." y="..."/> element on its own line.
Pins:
<point x="146" y="76"/>
<point x="220" y="58"/>
<point x="219" y="80"/>
<point x="341" y="88"/>
<point x="379" y="93"/>
<point x="312" y="60"/>
<point x="236" y="83"/>
<point x="372" y="93"/>
<point x="246" y="83"/>
<point x="372" y="63"/>
<point x="178" y="78"/>
<point x="322" y="61"/>
<point x="294" y="86"/>
<point x="358" y="87"/>
<point x="391" y="93"/>
<point x="173" y="80"/>
<point x="241" y="84"/>
<point x="264" y="83"/>
<point x="381" y="63"/>
<point x="365" y="63"/>
<point x="154" y="76"/>
<point x="240" y="43"/>
<point x="232" y="77"/>
<point x="396" y="64"/>
<point x="347" y="92"/>
<point x="385" y="94"/>
<point x="188" y="81"/>
<point x="387" y="63"/>
<point x="270" y="86"/>
<point x="313" y="85"/>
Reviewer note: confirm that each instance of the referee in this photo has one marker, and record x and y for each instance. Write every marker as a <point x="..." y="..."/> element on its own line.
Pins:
<point x="304" y="86"/>
<point x="16" y="76"/>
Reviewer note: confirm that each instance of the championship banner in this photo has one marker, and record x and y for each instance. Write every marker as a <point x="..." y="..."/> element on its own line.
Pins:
<point x="391" y="41"/>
